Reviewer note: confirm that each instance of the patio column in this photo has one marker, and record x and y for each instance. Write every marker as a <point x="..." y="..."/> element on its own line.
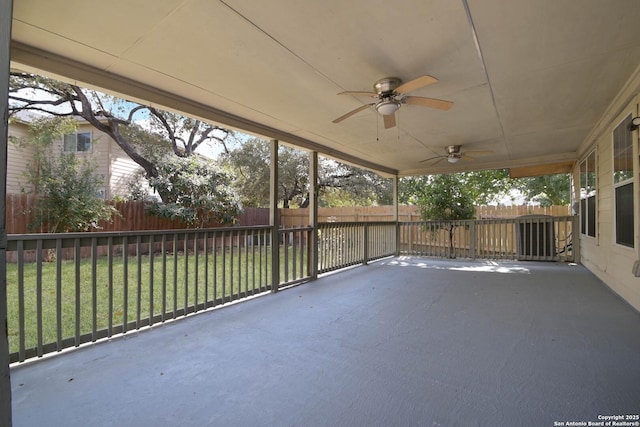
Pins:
<point x="6" y="11"/>
<point x="313" y="215"/>
<point x="274" y="219"/>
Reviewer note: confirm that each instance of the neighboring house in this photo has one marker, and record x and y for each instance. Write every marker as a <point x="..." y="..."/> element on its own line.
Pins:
<point x="607" y="189"/>
<point x="116" y="168"/>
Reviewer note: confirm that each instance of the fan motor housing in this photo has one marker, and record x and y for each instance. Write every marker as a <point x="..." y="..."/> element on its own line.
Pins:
<point x="453" y="149"/>
<point x="387" y="85"/>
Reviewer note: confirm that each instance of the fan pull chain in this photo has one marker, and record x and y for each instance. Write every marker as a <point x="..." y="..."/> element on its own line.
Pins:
<point x="377" y="127"/>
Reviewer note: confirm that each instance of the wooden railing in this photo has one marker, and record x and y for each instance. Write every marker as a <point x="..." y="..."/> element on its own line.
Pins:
<point x="538" y="238"/>
<point x="64" y="290"/>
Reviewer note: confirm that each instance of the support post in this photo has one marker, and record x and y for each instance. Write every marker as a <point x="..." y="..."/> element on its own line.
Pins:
<point x="274" y="219"/>
<point x="396" y="213"/>
<point x="313" y="215"/>
<point x="6" y="11"/>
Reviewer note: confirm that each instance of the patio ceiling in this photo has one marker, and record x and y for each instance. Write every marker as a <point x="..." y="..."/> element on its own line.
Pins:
<point x="529" y="78"/>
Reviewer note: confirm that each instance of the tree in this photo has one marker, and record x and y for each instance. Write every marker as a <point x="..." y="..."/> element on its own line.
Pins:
<point x="111" y="115"/>
<point x="68" y="187"/>
<point x="481" y="186"/>
<point x="193" y="192"/>
<point x="548" y="190"/>
<point x="338" y="183"/>
<point x="446" y="198"/>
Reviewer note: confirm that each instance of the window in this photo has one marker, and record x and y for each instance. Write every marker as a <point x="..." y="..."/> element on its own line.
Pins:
<point x="77" y="142"/>
<point x="588" y="195"/>
<point x="623" y="182"/>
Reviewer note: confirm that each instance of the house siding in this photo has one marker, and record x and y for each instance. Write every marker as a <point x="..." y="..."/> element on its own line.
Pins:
<point x="113" y="165"/>
<point x="611" y="262"/>
<point x="19" y="160"/>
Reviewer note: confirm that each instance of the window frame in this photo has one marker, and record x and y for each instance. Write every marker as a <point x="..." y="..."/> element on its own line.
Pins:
<point x="76" y="151"/>
<point x="590" y="194"/>
<point x="620" y="183"/>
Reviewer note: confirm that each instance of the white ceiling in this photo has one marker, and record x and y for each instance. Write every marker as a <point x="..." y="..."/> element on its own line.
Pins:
<point x="529" y="78"/>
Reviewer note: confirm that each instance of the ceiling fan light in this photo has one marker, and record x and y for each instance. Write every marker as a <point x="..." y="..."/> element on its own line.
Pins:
<point x="453" y="159"/>
<point x="386" y="108"/>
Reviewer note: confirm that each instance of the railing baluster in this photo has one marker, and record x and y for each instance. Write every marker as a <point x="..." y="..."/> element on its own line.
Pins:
<point x="78" y="260"/>
<point x="58" y="294"/>
<point x="205" y="248"/>
<point x="175" y="275"/>
<point x="151" y="278"/>
<point x="21" y="319"/>
<point x="138" y="281"/>
<point x="94" y="289"/>
<point x="110" y="284"/>
<point x="163" y="247"/>
<point x="294" y="258"/>
<point x="215" y="268"/>
<point x="246" y="264"/>
<point x="39" y="297"/>
<point x="125" y="283"/>
<point x="185" y="247"/>
<point x="196" y="282"/>
<point x="239" y="244"/>
<point x="224" y="268"/>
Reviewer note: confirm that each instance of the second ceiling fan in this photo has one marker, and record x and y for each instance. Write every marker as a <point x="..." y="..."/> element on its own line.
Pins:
<point x="391" y="95"/>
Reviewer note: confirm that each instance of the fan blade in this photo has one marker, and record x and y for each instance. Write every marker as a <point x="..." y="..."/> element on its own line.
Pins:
<point x="416" y="84"/>
<point x="357" y="93"/>
<point x="428" y="102"/>
<point x="389" y="121"/>
<point x="479" y="152"/>
<point x="351" y="113"/>
<point x="440" y="158"/>
<point x="465" y="156"/>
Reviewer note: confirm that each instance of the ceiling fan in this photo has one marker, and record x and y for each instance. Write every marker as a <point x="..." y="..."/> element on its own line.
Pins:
<point x="454" y="154"/>
<point x="390" y="94"/>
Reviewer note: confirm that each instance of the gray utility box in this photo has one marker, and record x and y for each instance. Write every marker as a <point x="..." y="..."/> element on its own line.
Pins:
<point x="535" y="237"/>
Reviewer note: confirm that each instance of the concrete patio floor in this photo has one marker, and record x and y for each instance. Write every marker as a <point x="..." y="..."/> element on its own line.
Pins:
<point x="402" y="342"/>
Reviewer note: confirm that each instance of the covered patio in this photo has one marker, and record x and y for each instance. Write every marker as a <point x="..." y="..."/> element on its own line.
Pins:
<point x="402" y="341"/>
<point x="537" y="87"/>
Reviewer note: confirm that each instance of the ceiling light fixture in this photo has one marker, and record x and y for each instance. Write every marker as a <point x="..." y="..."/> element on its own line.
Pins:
<point x="453" y="159"/>
<point x="387" y="107"/>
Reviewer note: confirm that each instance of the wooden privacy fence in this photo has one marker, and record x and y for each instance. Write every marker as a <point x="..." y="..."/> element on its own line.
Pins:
<point x="133" y="217"/>
<point x="300" y="217"/>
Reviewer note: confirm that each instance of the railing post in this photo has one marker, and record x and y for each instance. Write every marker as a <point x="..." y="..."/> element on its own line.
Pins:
<point x="6" y="11"/>
<point x="274" y="220"/>
<point x="313" y="215"/>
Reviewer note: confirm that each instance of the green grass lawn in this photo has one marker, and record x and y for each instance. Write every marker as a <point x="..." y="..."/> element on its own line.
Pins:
<point x="184" y="283"/>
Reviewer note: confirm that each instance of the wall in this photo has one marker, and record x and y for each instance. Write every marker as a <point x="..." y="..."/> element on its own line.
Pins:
<point x="18" y="160"/>
<point x="113" y="164"/>
<point x="611" y="262"/>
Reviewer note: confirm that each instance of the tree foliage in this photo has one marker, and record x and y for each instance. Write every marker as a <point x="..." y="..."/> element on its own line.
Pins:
<point x="113" y="116"/>
<point x="339" y="184"/>
<point x="446" y="198"/>
<point x="548" y="190"/>
<point x="482" y="186"/>
<point x="69" y="196"/>
<point x="193" y="192"/>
